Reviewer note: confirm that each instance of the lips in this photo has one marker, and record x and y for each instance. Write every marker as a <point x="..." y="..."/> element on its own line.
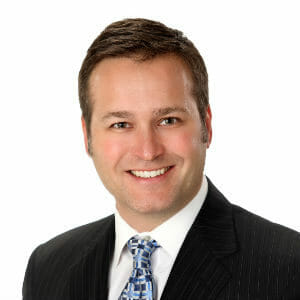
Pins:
<point x="150" y="174"/>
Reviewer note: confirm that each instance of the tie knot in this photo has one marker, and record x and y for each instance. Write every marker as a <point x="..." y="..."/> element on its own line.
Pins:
<point x="141" y="250"/>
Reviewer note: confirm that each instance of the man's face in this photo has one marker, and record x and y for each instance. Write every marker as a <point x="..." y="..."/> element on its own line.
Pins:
<point x="146" y="134"/>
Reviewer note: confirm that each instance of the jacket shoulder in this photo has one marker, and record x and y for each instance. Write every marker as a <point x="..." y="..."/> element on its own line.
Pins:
<point x="272" y="244"/>
<point x="75" y="240"/>
<point x="48" y="266"/>
<point x="68" y="247"/>
<point x="267" y="261"/>
<point x="250" y="223"/>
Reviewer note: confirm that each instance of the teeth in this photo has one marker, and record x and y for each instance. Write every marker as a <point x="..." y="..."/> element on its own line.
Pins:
<point x="149" y="174"/>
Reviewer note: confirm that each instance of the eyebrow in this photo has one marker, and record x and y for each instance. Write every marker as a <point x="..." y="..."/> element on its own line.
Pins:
<point x="124" y="114"/>
<point x="168" y="110"/>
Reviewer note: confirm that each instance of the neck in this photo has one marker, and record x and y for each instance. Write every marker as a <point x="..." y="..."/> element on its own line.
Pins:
<point x="143" y="223"/>
<point x="146" y="222"/>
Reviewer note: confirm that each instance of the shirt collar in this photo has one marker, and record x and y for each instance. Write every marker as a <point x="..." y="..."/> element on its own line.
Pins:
<point x="180" y="224"/>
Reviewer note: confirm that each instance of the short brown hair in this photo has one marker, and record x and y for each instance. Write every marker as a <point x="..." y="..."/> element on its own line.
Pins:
<point x="142" y="40"/>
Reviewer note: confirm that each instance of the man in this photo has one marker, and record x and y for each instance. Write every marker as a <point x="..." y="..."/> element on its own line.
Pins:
<point x="146" y="121"/>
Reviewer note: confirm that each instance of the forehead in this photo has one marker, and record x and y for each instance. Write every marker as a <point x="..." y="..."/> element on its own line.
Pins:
<point x="125" y="82"/>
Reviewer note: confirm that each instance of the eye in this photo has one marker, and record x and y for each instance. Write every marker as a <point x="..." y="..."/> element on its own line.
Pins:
<point x="169" y="121"/>
<point x="120" y="125"/>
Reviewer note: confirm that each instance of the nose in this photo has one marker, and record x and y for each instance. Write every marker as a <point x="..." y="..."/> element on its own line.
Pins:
<point x="147" y="144"/>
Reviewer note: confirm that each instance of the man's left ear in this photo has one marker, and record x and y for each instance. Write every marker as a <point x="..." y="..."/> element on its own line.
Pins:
<point x="85" y="135"/>
<point x="208" y="118"/>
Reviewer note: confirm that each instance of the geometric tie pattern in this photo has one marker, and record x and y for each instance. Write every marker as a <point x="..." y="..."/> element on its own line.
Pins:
<point x="140" y="284"/>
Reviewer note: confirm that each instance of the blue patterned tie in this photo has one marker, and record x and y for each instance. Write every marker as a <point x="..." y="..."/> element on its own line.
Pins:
<point x="140" y="284"/>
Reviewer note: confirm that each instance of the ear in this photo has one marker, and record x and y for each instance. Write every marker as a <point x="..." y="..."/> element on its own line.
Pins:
<point x="208" y="126"/>
<point x="85" y="135"/>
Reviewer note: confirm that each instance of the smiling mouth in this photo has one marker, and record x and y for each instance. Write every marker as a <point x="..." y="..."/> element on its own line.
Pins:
<point x="150" y="174"/>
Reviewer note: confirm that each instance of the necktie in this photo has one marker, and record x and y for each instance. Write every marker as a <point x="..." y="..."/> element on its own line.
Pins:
<point x="140" y="284"/>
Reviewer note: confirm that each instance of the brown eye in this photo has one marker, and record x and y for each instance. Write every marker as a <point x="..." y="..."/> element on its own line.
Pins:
<point x="169" y="121"/>
<point x="120" y="125"/>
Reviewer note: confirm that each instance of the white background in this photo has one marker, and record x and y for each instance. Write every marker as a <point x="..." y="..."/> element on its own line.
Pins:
<point x="48" y="184"/>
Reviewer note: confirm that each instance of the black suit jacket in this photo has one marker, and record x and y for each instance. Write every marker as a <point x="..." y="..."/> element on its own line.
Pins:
<point x="229" y="253"/>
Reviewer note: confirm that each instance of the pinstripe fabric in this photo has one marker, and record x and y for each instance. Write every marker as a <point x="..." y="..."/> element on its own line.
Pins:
<point x="228" y="254"/>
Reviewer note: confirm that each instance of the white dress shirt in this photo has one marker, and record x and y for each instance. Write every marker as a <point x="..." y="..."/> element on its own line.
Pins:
<point x="169" y="235"/>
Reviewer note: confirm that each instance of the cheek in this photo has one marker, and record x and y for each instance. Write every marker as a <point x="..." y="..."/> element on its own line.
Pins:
<point x="108" y="151"/>
<point x="184" y="144"/>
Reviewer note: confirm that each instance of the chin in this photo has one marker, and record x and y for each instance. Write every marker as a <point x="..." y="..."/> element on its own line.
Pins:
<point x="153" y="206"/>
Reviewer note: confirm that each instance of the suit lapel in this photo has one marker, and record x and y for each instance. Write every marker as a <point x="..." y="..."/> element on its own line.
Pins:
<point x="198" y="272"/>
<point x="89" y="277"/>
